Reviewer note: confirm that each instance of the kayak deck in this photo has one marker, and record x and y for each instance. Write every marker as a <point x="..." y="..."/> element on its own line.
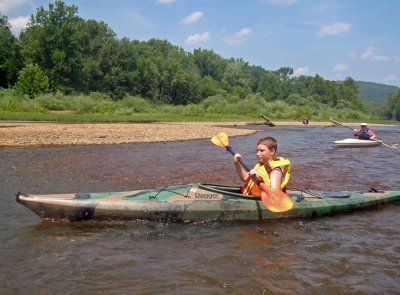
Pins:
<point x="195" y="202"/>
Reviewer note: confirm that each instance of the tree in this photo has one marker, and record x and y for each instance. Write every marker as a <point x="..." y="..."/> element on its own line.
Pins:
<point x="54" y="41"/>
<point x="184" y="88"/>
<point x="256" y="74"/>
<point x="10" y="60"/>
<point x="209" y="63"/>
<point x="32" y="81"/>
<point x="350" y="93"/>
<point x="98" y="50"/>
<point x="284" y="73"/>
<point x="301" y="85"/>
<point x="235" y="75"/>
<point x="270" y="86"/>
<point x="317" y="86"/>
<point x="208" y="86"/>
<point x="304" y="112"/>
<point x="392" y="106"/>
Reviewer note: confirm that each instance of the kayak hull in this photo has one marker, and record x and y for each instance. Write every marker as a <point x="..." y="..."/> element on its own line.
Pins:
<point x="353" y="142"/>
<point x="194" y="202"/>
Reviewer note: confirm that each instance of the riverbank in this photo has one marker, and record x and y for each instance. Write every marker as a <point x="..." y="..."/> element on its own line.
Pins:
<point x="26" y="134"/>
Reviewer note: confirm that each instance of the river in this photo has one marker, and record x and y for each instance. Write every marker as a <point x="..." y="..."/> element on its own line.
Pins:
<point x="354" y="253"/>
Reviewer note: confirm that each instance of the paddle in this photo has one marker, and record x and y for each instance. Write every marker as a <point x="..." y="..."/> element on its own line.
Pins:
<point x="273" y="199"/>
<point x="393" y="146"/>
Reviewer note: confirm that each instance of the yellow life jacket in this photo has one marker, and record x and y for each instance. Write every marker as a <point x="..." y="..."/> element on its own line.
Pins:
<point x="251" y="188"/>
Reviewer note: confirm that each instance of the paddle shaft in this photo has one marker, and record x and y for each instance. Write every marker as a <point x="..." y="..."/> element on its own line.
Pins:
<point x="338" y="123"/>
<point x="254" y="177"/>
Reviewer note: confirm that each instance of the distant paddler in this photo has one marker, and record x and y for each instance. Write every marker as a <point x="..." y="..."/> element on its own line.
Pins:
<point x="364" y="133"/>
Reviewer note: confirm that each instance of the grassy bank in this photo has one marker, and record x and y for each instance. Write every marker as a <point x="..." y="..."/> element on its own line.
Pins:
<point x="97" y="107"/>
<point x="107" y="118"/>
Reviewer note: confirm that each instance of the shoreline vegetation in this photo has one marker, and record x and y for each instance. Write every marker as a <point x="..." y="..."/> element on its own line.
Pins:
<point x="95" y="118"/>
<point x="41" y="134"/>
<point x="91" y="76"/>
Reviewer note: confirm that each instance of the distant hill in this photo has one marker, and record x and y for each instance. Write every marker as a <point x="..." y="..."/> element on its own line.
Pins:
<point x="375" y="92"/>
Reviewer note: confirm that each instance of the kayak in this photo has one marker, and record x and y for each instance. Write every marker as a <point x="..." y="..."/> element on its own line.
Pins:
<point x="195" y="202"/>
<point x="354" y="142"/>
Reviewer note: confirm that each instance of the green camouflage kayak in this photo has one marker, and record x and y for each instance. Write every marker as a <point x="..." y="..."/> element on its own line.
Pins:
<point x="195" y="202"/>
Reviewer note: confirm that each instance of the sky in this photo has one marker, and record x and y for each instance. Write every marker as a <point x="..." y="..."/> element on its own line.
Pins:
<point x="332" y="38"/>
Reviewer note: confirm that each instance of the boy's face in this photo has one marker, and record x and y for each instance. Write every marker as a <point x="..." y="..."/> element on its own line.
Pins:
<point x="264" y="154"/>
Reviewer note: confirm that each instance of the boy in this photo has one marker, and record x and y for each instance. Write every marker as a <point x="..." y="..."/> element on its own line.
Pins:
<point x="272" y="170"/>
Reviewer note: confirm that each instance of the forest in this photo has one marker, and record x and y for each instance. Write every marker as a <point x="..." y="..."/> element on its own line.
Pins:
<point x="60" y="56"/>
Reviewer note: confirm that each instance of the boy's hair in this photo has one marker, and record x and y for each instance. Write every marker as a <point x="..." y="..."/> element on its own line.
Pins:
<point x="269" y="142"/>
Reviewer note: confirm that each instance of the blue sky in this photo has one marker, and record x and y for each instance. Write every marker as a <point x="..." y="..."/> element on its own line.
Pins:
<point x="333" y="38"/>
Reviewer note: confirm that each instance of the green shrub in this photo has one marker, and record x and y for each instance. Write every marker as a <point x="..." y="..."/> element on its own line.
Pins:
<point x="10" y="105"/>
<point x="194" y="110"/>
<point x="278" y="106"/>
<point x="32" y="81"/>
<point x="98" y="96"/>
<point x="106" y="107"/>
<point x="85" y="105"/>
<point x="214" y="104"/>
<point x="51" y="103"/>
<point x="135" y="104"/>
<point x="171" y="109"/>
<point x="248" y="106"/>
<point x="303" y="112"/>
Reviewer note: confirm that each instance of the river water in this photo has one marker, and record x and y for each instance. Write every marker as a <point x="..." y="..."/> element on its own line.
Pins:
<point x="355" y="253"/>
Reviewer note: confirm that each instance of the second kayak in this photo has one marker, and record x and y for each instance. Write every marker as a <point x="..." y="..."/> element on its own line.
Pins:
<point x="353" y="142"/>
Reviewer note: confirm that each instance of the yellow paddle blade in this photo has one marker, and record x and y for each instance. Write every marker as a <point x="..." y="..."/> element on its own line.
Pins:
<point x="221" y="139"/>
<point x="275" y="200"/>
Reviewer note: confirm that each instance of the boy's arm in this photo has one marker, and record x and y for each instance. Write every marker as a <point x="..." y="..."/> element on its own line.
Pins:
<point x="239" y="169"/>
<point x="276" y="178"/>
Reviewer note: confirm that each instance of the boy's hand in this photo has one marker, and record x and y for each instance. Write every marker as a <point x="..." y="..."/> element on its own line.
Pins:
<point x="253" y="172"/>
<point x="237" y="157"/>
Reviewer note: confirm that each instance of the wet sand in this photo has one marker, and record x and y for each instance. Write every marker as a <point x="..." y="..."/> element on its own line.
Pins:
<point x="25" y="134"/>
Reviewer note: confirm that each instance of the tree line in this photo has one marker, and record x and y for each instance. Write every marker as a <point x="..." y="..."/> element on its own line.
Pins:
<point x="62" y="52"/>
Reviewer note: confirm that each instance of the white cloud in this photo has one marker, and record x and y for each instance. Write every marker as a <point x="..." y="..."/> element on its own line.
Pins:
<point x="166" y="1"/>
<point x="369" y="54"/>
<point x="352" y="55"/>
<point x="192" y="18"/>
<point x="7" y="6"/>
<point x="390" y="78"/>
<point x="281" y="2"/>
<point x="397" y="58"/>
<point x="380" y="58"/>
<point x="198" y="38"/>
<point x="18" y="24"/>
<point x="334" y="29"/>
<point x="238" y="37"/>
<point x="339" y="68"/>
<point x="138" y="19"/>
<point x="301" y="71"/>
